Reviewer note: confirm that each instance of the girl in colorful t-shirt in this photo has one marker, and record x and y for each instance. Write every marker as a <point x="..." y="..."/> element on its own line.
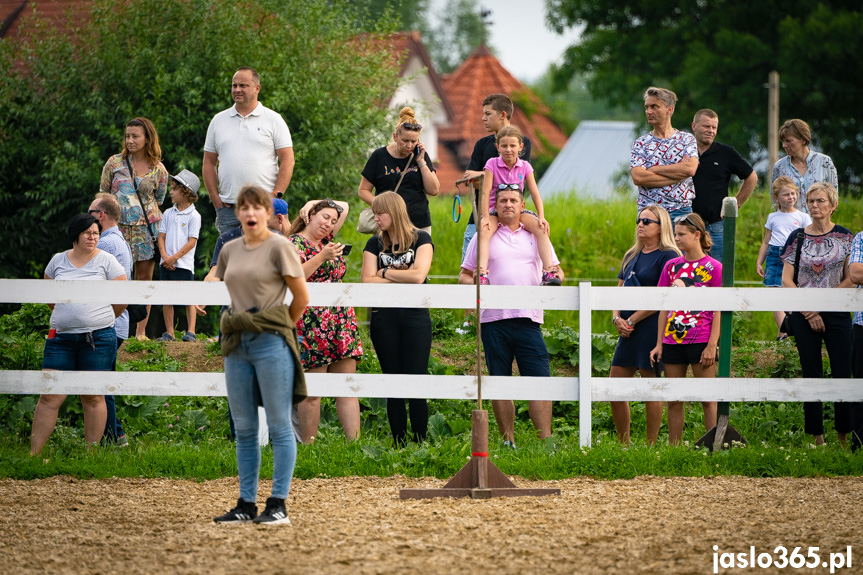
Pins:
<point x="687" y="337"/>
<point x="508" y="171"/>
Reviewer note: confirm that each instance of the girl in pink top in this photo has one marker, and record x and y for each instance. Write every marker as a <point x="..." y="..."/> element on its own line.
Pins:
<point x="688" y="337"/>
<point x="509" y="172"/>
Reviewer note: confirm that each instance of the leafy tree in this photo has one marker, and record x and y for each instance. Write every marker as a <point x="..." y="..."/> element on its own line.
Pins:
<point x="718" y="54"/>
<point x="68" y="93"/>
<point x="461" y="29"/>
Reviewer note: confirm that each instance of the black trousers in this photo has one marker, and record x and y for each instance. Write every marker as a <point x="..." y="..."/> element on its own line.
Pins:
<point x="837" y="338"/>
<point x="402" y="338"/>
<point x="857" y="371"/>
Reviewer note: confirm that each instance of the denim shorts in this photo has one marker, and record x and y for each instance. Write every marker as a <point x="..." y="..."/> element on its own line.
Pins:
<point x="773" y="267"/>
<point x="91" y="351"/>
<point x="519" y="338"/>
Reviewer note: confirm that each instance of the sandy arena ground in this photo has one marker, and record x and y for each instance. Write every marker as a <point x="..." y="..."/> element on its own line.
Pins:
<point x="359" y="525"/>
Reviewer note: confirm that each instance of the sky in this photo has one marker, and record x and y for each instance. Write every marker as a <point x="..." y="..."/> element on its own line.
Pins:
<point x="536" y="46"/>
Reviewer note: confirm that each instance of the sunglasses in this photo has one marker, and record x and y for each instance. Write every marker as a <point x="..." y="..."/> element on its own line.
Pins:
<point x="515" y="187"/>
<point x="91" y="212"/>
<point x="411" y="127"/>
<point x="645" y="221"/>
<point x="684" y="218"/>
<point x="335" y="206"/>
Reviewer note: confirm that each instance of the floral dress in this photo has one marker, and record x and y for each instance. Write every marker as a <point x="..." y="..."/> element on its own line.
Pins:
<point x="153" y="187"/>
<point x="330" y="333"/>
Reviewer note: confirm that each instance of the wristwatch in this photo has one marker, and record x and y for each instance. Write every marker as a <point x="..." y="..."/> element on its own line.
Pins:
<point x="279" y="194"/>
<point x="384" y="273"/>
<point x="629" y="321"/>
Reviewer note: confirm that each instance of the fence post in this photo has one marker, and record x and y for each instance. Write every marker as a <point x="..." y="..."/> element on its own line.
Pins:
<point x="585" y="353"/>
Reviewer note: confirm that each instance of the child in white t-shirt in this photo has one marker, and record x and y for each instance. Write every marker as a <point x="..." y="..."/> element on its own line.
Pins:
<point x="178" y="237"/>
<point x="780" y="224"/>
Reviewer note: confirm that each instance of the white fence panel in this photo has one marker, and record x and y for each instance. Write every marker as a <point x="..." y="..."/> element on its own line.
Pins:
<point x="584" y="298"/>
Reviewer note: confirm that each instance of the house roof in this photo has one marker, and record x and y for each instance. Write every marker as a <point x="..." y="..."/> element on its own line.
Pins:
<point x="56" y="12"/>
<point x="483" y="74"/>
<point x="597" y="152"/>
<point x="411" y="43"/>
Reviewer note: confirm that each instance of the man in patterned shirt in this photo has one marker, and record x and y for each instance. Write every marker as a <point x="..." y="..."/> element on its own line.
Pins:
<point x="663" y="161"/>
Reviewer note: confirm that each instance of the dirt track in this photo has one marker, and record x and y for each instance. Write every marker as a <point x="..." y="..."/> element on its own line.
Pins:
<point x="359" y="525"/>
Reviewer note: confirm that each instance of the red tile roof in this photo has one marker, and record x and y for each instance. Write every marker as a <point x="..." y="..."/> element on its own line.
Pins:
<point x="480" y="75"/>
<point x="57" y="12"/>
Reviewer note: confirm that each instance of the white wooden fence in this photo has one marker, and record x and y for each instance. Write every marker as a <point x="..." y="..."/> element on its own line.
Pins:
<point x="585" y="298"/>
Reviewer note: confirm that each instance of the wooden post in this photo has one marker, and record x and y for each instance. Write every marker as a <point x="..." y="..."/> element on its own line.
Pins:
<point x="772" y="120"/>
<point x="479" y="478"/>
<point x="722" y="433"/>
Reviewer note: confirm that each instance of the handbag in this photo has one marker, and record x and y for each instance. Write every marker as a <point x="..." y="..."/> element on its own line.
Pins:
<point x="786" y="321"/>
<point x="629" y="278"/>
<point x="366" y="224"/>
<point x="137" y="312"/>
<point x="154" y="237"/>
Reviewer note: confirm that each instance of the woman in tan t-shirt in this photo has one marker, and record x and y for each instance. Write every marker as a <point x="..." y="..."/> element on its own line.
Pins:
<point x="258" y="268"/>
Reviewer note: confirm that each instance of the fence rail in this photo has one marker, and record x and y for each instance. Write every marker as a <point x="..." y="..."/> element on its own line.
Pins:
<point x="585" y="298"/>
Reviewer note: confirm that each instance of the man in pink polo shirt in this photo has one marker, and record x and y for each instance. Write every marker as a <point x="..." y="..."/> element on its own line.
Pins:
<point x="509" y="334"/>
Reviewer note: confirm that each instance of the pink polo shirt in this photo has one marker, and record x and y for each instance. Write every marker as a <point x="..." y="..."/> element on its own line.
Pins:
<point x="513" y="260"/>
<point x="501" y="174"/>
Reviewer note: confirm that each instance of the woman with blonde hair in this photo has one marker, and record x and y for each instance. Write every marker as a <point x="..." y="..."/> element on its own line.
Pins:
<point x="816" y="256"/>
<point x="642" y="264"/>
<point x="400" y="253"/>
<point x="140" y="181"/>
<point x="404" y="166"/>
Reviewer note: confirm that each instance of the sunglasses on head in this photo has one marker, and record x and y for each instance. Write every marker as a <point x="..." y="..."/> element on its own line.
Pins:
<point x="646" y="221"/>
<point x="684" y="218"/>
<point x="411" y="126"/>
<point x="335" y="206"/>
<point x="509" y="187"/>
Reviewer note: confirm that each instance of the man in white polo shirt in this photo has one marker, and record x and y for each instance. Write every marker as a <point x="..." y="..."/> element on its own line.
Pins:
<point x="250" y="144"/>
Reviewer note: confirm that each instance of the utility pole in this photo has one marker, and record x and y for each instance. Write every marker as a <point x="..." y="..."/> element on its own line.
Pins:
<point x="772" y="120"/>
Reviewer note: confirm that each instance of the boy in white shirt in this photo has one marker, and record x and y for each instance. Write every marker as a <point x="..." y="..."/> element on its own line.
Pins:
<point x="178" y="237"/>
<point x="780" y="223"/>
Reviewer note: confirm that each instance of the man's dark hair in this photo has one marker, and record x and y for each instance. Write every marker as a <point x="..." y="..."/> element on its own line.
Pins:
<point x="499" y="103"/>
<point x="498" y="191"/>
<point x="255" y="76"/>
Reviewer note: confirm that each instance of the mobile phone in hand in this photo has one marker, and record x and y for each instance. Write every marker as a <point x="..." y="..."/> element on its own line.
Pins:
<point x="346" y="249"/>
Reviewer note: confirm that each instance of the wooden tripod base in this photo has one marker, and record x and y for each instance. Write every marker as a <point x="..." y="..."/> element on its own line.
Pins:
<point x="479" y="478"/>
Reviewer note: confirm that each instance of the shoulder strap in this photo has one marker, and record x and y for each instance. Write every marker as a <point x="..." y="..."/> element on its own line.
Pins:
<point x="801" y="235"/>
<point x="140" y="201"/>
<point x="405" y="171"/>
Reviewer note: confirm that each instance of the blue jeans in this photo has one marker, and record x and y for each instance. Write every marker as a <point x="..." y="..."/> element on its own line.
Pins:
<point x="518" y="338"/>
<point x="261" y="370"/>
<point x="91" y="351"/>
<point x="773" y="267"/>
<point x="469" y="232"/>
<point x="226" y="219"/>
<point x="674" y="214"/>
<point x="113" y="427"/>
<point x="717" y="235"/>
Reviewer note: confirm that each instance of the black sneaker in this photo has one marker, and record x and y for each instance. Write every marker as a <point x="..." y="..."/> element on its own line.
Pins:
<point x="244" y="512"/>
<point x="274" y="513"/>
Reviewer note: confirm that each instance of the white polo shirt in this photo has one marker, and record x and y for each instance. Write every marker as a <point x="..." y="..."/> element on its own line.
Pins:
<point x="247" y="148"/>
<point x="178" y="227"/>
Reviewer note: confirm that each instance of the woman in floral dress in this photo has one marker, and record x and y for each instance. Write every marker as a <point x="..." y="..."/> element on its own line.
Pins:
<point x="137" y="172"/>
<point x="331" y="339"/>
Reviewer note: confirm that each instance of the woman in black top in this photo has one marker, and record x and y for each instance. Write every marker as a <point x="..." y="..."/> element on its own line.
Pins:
<point x="399" y="253"/>
<point x="386" y="165"/>
<point x="642" y="264"/>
